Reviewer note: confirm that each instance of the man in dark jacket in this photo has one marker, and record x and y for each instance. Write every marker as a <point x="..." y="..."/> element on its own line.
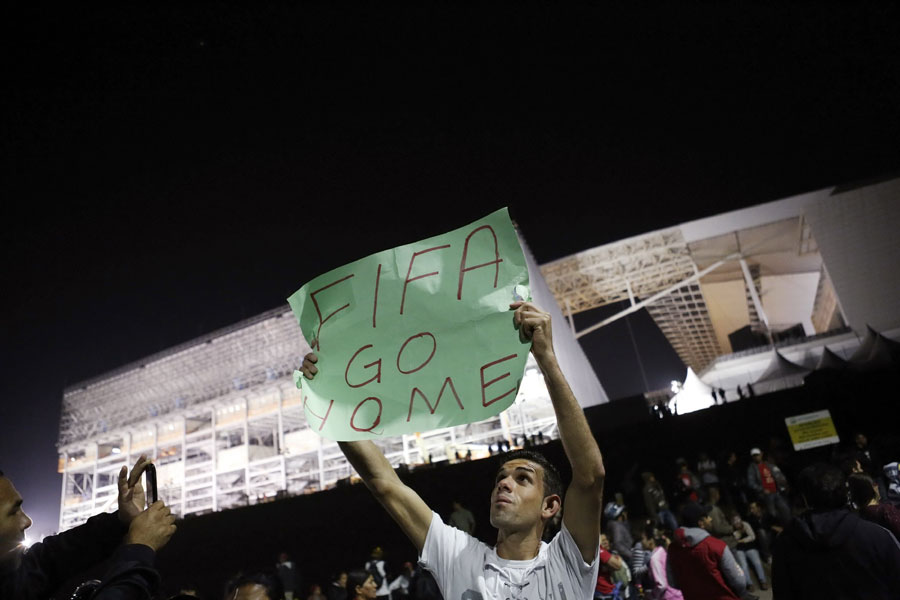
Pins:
<point x="34" y="574"/>
<point x="829" y="552"/>
<point x="618" y="530"/>
<point x="656" y="503"/>
<point x="700" y="565"/>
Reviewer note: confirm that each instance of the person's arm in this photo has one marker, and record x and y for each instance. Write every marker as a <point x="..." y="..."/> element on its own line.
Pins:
<point x="751" y="535"/>
<point x="658" y="574"/>
<point x="401" y="502"/>
<point x="753" y="481"/>
<point x="732" y="572"/>
<point x="49" y="563"/>
<point x="639" y="563"/>
<point x="584" y="497"/>
<point x="131" y="575"/>
<point x="614" y="563"/>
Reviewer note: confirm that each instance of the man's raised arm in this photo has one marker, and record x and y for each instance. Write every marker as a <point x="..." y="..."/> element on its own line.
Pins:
<point x="584" y="497"/>
<point x="401" y="502"/>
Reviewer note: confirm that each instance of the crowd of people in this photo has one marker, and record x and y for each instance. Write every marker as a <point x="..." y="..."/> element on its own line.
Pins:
<point x="733" y="528"/>
<point x="698" y="540"/>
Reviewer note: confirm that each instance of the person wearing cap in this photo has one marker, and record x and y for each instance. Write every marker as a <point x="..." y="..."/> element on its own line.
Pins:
<point x="375" y="566"/>
<point x="769" y="483"/>
<point x="700" y="565"/>
<point x="617" y="529"/>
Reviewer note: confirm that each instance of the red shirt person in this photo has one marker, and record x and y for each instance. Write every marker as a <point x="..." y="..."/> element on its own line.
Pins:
<point x="700" y="565"/>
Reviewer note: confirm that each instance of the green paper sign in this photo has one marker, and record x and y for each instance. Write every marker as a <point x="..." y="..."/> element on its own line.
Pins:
<point x="418" y="337"/>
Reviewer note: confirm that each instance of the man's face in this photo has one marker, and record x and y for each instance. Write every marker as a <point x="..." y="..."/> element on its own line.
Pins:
<point x="755" y="509"/>
<point x="757" y="458"/>
<point x="705" y="522"/>
<point x="342" y="579"/>
<point x="13" y="522"/>
<point x="368" y="590"/>
<point x="517" y="499"/>
<point x="861" y="440"/>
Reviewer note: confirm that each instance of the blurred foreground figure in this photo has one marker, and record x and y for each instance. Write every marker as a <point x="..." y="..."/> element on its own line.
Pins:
<point x="829" y="551"/>
<point x="36" y="573"/>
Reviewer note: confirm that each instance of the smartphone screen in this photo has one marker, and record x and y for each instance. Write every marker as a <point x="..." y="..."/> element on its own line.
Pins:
<point x="150" y="473"/>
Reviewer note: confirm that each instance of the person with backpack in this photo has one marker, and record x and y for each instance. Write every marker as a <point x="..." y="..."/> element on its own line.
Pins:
<point x="375" y="567"/>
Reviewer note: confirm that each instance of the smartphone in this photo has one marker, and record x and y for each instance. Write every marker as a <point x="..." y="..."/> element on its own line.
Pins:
<point x="150" y="474"/>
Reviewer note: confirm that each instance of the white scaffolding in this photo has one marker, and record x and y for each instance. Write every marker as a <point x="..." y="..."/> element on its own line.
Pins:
<point x="222" y="420"/>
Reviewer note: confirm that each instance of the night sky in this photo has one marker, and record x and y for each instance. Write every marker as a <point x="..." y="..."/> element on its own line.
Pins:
<point x="169" y="171"/>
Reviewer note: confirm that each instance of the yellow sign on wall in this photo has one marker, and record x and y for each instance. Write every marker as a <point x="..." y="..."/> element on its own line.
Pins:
<point x="812" y="430"/>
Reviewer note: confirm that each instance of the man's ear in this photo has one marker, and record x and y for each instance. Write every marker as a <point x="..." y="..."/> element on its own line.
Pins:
<point x="552" y="505"/>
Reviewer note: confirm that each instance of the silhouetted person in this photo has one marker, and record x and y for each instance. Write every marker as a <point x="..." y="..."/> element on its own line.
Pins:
<point x="829" y="551"/>
<point x="36" y="573"/>
<point x="290" y="578"/>
<point x="257" y="585"/>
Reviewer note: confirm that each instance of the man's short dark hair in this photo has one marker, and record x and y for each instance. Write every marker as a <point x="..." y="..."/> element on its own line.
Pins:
<point x="270" y="581"/>
<point x="356" y="578"/>
<point x="551" y="479"/>
<point x="824" y="486"/>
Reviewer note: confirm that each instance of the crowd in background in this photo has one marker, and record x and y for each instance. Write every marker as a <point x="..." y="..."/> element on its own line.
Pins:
<point x="738" y="506"/>
<point x="745" y="505"/>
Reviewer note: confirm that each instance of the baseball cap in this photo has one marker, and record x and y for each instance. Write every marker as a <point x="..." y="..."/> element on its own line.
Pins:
<point x="693" y="512"/>
<point x="755" y="451"/>
<point x="612" y="510"/>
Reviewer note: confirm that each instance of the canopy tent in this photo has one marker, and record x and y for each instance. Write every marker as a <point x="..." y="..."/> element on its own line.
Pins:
<point x="885" y="353"/>
<point x="830" y="360"/>
<point x="694" y="395"/>
<point x="779" y="374"/>
<point x="865" y="347"/>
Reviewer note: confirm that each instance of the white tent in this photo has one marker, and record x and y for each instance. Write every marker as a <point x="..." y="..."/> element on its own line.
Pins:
<point x="781" y="374"/>
<point x="694" y="395"/>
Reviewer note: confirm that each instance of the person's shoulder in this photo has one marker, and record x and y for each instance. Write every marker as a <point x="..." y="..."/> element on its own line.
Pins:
<point x="864" y="527"/>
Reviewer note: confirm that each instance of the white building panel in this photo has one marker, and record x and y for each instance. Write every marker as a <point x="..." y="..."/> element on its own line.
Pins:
<point x="858" y="232"/>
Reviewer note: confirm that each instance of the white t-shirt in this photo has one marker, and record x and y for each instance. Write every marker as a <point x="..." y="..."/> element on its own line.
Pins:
<point x="467" y="569"/>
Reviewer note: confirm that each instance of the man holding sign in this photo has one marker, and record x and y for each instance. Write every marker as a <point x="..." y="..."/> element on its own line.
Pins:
<point x="526" y="495"/>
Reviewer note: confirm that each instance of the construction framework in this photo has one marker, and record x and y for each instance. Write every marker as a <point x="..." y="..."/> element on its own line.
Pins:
<point x="669" y="273"/>
<point x="224" y="423"/>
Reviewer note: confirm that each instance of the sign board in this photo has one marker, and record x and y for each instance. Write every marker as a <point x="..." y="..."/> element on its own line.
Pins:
<point x="418" y="337"/>
<point x="812" y="430"/>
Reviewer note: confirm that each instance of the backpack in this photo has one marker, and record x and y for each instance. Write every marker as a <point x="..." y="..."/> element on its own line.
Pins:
<point x="373" y="570"/>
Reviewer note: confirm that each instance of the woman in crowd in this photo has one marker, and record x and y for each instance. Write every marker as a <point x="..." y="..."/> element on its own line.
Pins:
<point x="747" y="548"/>
<point x="659" y="584"/>
<point x="865" y="496"/>
<point x="361" y="585"/>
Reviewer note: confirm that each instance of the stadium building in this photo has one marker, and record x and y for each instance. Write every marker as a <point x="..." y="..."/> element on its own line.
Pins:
<point x="757" y="296"/>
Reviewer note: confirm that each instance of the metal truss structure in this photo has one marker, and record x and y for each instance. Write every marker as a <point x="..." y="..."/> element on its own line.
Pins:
<point x="225" y="425"/>
<point x="638" y="267"/>
<point x="666" y="271"/>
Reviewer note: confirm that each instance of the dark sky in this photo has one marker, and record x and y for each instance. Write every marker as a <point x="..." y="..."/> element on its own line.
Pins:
<point x="169" y="171"/>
